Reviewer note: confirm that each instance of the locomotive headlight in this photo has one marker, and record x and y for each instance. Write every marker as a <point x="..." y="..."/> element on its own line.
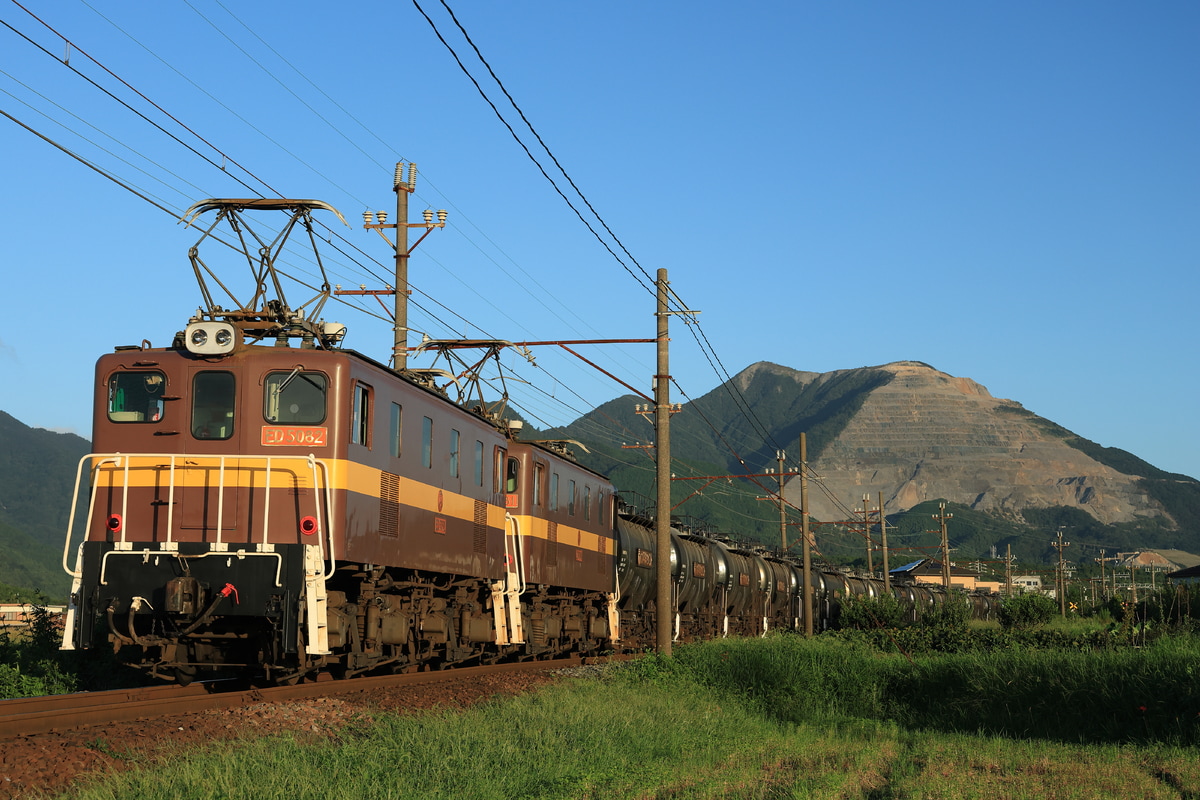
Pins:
<point x="210" y="338"/>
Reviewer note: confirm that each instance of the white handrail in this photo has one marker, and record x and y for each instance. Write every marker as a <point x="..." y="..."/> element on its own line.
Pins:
<point x="220" y="498"/>
<point x="313" y="463"/>
<point x="74" y="502"/>
<point x="322" y="498"/>
<point x="266" y="528"/>
<point x="170" y="502"/>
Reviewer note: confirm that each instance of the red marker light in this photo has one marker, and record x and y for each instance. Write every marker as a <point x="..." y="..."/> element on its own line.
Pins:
<point x="308" y="526"/>
<point x="115" y="523"/>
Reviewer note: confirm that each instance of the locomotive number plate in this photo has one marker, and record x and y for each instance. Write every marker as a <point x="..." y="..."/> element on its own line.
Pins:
<point x="284" y="436"/>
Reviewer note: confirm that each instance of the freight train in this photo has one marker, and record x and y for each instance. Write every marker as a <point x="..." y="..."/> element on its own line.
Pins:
<point x="263" y="500"/>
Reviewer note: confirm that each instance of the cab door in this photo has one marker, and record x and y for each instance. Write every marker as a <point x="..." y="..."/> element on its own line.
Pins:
<point x="208" y="486"/>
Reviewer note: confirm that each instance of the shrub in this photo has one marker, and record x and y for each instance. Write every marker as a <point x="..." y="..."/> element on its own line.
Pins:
<point x="1025" y="611"/>
<point x="952" y="613"/>
<point x="866" y="613"/>
<point x="32" y="664"/>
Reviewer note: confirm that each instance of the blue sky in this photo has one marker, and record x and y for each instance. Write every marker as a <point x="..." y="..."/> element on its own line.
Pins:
<point x="1006" y="191"/>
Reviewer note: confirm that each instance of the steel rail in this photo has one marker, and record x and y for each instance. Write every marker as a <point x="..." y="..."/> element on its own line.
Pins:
<point x="36" y="715"/>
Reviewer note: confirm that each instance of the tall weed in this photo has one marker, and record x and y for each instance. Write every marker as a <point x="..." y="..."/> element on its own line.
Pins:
<point x="1085" y="694"/>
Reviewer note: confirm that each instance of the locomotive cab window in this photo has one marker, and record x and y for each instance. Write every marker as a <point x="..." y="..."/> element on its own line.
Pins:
<point x="296" y="397"/>
<point x="394" y="429"/>
<point x="360" y="415"/>
<point x="427" y="441"/>
<point x="454" y="443"/>
<point x="478" y="463"/>
<point x="512" y="476"/>
<point x="539" y="475"/>
<point x="498" y="456"/>
<point x="213" y="395"/>
<point x="136" y="396"/>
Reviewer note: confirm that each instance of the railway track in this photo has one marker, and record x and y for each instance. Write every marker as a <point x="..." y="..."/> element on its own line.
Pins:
<point x="35" y="715"/>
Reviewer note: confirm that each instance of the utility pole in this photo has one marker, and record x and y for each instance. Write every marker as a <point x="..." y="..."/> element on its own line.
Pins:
<point x="664" y="609"/>
<point x="807" y="549"/>
<point x="887" y="576"/>
<point x="1103" y="581"/>
<point x="403" y="187"/>
<point x="867" y="534"/>
<point x="941" y="517"/>
<point x="779" y="456"/>
<point x="1061" y="574"/>
<point x="1008" y="570"/>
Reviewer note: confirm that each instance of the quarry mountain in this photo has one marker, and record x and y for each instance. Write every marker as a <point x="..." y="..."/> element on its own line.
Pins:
<point x="914" y="433"/>
<point x="907" y="430"/>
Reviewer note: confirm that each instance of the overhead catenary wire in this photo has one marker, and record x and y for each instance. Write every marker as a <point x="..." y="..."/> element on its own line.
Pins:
<point x="706" y="345"/>
<point x="190" y="129"/>
<point x="363" y="264"/>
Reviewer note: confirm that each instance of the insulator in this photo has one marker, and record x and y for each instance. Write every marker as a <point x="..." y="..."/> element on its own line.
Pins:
<point x="428" y="215"/>
<point x="412" y="176"/>
<point x="442" y="215"/>
<point x="399" y="179"/>
<point x="382" y="216"/>
<point x="366" y="218"/>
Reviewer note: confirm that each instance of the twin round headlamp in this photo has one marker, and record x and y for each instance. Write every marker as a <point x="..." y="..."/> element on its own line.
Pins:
<point x="209" y="338"/>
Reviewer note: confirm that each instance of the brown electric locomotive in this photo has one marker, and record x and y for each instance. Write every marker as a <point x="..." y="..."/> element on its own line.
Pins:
<point x="261" y="499"/>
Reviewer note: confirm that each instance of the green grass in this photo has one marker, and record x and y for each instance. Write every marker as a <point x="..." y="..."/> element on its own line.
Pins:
<point x="779" y="717"/>
<point x="1127" y="694"/>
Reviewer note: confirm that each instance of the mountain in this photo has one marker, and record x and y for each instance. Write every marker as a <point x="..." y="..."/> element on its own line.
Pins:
<point x="37" y="476"/>
<point x="917" y="435"/>
<point x="922" y="434"/>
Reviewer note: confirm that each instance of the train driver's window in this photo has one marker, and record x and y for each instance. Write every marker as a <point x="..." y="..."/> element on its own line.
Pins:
<point x="394" y="429"/>
<point x="296" y="397"/>
<point x="511" y="476"/>
<point x="360" y="415"/>
<point x="213" y="398"/>
<point x="427" y="441"/>
<point x="136" y="396"/>
<point x="539" y="475"/>
<point x="498" y="456"/>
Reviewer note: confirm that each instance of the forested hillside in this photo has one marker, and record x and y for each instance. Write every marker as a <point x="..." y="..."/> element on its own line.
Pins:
<point x="37" y="474"/>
